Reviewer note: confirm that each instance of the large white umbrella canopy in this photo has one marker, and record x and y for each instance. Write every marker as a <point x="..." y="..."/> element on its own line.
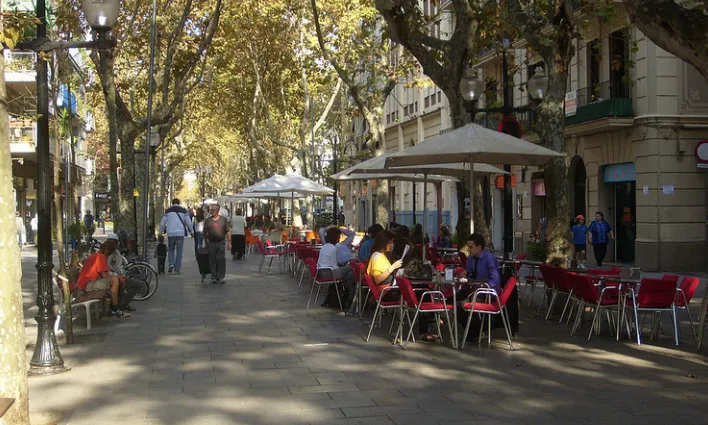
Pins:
<point x="393" y="176"/>
<point x="263" y="195"/>
<point x="377" y="165"/>
<point x="289" y="183"/>
<point x="473" y="143"/>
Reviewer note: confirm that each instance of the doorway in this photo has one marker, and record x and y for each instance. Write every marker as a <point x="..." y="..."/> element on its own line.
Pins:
<point x="625" y="220"/>
<point x="579" y="179"/>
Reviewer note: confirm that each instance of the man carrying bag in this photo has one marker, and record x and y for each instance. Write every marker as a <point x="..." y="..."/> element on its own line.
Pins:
<point x="177" y="225"/>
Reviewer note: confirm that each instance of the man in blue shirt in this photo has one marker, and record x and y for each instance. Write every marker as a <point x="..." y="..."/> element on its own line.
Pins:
<point x="365" y="248"/>
<point x="600" y="233"/>
<point x="482" y="265"/>
<point x="344" y="248"/>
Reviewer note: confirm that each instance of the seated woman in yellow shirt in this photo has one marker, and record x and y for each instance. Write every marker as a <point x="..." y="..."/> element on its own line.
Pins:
<point x="379" y="268"/>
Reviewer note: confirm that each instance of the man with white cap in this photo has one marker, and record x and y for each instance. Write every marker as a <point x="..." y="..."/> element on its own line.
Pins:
<point x="116" y="266"/>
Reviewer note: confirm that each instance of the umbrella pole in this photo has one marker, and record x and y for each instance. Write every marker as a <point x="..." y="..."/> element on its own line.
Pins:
<point x="471" y="200"/>
<point x="391" y="217"/>
<point x="292" y="210"/>
<point x="425" y="212"/>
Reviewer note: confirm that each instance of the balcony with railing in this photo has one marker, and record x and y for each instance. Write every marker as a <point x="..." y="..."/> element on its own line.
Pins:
<point x="20" y="66"/>
<point x="527" y="121"/>
<point x="606" y="100"/>
<point x="23" y="135"/>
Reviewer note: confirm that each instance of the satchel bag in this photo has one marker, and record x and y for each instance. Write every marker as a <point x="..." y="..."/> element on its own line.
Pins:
<point x="415" y="269"/>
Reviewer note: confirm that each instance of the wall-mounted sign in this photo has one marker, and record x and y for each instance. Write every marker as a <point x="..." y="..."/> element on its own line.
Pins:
<point x="668" y="189"/>
<point x="539" y="188"/>
<point x="571" y="103"/>
<point x="625" y="172"/>
<point x="702" y="154"/>
<point x="645" y="190"/>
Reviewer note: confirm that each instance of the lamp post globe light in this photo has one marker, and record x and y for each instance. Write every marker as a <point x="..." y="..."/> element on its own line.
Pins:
<point x="471" y="88"/>
<point x="537" y="84"/>
<point x="102" y="15"/>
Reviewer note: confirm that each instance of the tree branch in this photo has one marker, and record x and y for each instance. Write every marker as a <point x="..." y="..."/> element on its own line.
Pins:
<point x="674" y="28"/>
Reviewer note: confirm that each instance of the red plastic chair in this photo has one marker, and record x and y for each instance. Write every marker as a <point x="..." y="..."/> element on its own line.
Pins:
<point x="433" y="255"/>
<point x="305" y="253"/>
<point x="494" y="304"/>
<point x="382" y="305"/>
<point x="436" y="305"/>
<point x="588" y="294"/>
<point x="531" y="280"/>
<point x="323" y="276"/>
<point x="546" y="277"/>
<point x="560" y="287"/>
<point x="684" y="294"/>
<point x="269" y="253"/>
<point x="656" y="296"/>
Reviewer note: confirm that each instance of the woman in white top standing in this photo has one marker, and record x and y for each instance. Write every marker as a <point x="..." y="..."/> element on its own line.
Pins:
<point x="328" y="259"/>
<point x="198" y="224"/>
<point x="238" y="235"/>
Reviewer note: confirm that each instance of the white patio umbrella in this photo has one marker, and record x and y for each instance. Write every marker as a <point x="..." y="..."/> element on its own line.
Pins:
<point x="471" y="144"/>
<point x="378" y="164"/>
<point x="289" y="183"/>
<point x="361" y="172"/>
<point x="264" y="197"/>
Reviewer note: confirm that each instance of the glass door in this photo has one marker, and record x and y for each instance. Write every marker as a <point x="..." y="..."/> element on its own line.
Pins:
<point x="625" y="220"/>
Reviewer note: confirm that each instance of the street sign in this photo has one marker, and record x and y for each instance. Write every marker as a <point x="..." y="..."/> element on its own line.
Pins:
<point x="101" y="195"/>
<point x="571" y="103"/>
<point x="702" y="154"/>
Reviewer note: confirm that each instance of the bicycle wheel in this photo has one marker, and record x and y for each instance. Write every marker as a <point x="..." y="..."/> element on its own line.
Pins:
<point x="144" y="272"/>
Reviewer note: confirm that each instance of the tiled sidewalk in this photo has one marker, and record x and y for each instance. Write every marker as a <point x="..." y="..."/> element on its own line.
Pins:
<point x="248" y="352"/>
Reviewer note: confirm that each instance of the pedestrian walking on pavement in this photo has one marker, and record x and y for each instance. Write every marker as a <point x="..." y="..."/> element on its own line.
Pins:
<point x="177" y="225"/>
<point x="21" y="230"/>
<point x="198" y="224"/>
<point x="600" y="233"/>
<point x="238" y="235"/>
<point x="216" y="231"/>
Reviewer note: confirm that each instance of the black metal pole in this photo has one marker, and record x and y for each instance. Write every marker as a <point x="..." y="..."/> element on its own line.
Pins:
<point x="508" y="198"/>
<point x="146" y="187"/>
<point x="46" y="359"/>
<point x="335" y="199"/>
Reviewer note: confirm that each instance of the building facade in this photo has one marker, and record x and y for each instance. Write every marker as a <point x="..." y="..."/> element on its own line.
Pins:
<point x="634" y="116"/>
<point x="20" y="79"/>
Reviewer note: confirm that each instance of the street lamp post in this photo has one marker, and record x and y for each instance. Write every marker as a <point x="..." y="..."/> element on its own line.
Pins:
<point x="102" y="15"/>
<point x="472" y="87"/>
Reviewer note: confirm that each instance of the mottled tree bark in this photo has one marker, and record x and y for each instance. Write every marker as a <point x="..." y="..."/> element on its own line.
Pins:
<point x="13" y="363"/>
<point x="674" y="27"/>
<point x="556" y="49"/>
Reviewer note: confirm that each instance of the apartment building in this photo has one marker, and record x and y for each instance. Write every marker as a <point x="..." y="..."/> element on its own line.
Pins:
<point x="634" y="116"/>
<point x="20" y="79"/>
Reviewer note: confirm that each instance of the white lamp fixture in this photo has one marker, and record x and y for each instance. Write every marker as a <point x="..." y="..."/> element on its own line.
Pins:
<point x="471" y="86"/>
<point x="537" y="84"/>
<point x="101" y="14"/>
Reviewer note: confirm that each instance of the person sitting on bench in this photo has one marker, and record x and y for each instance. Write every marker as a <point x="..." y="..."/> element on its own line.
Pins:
<point x="95" y="276"/>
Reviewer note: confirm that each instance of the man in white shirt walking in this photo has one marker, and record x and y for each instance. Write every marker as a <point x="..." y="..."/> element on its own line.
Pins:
<point x="238" y="235"/>
<point x="177" y="225"/>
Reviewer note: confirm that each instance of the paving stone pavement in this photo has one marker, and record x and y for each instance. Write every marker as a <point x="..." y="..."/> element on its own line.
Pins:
<point x="248" y="352"/>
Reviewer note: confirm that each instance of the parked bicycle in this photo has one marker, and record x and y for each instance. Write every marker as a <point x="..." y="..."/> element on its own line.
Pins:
<point x="143" y="271"/>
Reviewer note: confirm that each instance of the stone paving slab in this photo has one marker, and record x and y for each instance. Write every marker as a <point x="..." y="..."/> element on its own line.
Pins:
<point x="248" y="352"/>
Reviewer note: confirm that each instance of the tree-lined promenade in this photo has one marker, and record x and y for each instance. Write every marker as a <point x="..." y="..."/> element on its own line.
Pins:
<point x="244" y="90"/>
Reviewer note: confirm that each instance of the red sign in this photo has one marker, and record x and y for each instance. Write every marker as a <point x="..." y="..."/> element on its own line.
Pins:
<point x="702" y="153"/>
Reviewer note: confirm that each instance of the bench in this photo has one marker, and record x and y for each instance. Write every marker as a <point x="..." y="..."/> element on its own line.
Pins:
<point x="85" y="300"/>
